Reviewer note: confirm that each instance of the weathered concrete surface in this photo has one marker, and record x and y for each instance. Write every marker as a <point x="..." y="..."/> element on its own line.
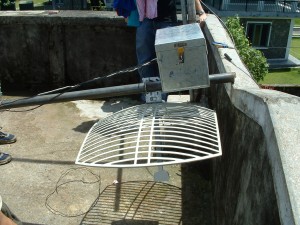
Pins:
<point x="48" y="142"/>
<point x="46" y="49"/>
<point x="258" y="177"/>
<point x="255" y="182"/>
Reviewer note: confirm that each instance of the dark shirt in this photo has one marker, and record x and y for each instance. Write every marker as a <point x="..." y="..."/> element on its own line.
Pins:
<point x="166" y="10"/>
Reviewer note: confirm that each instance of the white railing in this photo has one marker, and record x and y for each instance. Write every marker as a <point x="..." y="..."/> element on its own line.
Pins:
<point x="286" y="6"/>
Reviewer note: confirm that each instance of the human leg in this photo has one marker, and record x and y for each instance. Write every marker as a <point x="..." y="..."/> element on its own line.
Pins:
<point x="9" y="218"/>
<point x="6" y="138"/>
<point x="145" y="49"/>
<point x="4" y="158"/>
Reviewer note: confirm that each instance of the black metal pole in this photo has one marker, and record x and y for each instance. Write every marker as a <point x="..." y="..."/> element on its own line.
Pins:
<point x="222" y="78"/>
<point x="80" y="95"/>
<point x="101" y="92"/>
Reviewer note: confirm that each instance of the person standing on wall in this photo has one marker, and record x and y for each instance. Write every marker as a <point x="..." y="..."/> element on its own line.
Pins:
<point x="153" y="15"/>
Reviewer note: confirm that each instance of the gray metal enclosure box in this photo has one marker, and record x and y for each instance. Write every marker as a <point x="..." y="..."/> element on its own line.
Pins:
<point x="190" y="71"/>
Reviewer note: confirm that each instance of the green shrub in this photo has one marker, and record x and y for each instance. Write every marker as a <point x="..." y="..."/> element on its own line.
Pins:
<point x="7" y="4"/>
<point x="253" y="59"/>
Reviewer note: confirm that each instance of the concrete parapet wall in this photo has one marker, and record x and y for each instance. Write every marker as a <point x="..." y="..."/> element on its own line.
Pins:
<point x="256" y="181"/>
<point x="48" y="49"/>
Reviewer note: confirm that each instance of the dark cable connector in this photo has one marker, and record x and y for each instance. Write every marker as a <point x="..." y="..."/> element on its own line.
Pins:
<point x="227" y="57"/>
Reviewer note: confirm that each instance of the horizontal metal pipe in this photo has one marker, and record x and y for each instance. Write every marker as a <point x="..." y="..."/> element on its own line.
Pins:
<point x="222" y="78"/>
<point x="100" y="93"/>
<point x="80" y="95"/>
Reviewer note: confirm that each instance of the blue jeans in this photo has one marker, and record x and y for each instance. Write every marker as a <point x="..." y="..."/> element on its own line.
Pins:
<point x="145" y="49"/>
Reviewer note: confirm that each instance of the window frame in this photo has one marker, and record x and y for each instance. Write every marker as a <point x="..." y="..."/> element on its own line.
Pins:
<point x="255" y="23"/>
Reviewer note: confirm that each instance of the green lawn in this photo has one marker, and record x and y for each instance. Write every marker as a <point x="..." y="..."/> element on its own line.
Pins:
<point x="295" y="48"/>
<point x="35" y="3"/>
<point x="282" y="76"/>
<point x="286" y="76"/>
<point x="297" y="22"/>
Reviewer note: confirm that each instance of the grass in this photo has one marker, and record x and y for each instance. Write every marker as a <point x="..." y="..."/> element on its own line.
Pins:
<point x="282" y="76"/>
<point x="297" y="22"/>
<point x="286" y="76"/>
<point x="295" y="48"/>
<point x="35" y="3"/>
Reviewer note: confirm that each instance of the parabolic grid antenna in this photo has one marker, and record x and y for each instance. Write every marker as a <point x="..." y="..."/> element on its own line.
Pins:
<point x="151" y="135"/>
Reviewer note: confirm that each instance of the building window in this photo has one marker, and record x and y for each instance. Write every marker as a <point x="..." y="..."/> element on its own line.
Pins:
<point x="258" y="33"/>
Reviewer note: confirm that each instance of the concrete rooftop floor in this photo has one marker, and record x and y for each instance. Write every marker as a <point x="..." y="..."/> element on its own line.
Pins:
<point x="42" y="185"/>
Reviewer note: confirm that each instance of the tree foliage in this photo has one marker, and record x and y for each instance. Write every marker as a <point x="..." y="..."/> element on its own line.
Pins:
<point x="253" y="59"/>
<point x="7" y="5"/>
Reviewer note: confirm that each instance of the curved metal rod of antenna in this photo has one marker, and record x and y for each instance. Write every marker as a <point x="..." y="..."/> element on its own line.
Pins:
<point x="101" y="92"/>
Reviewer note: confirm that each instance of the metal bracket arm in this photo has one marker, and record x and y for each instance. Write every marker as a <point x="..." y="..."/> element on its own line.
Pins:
<point x="102" y="92"/>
